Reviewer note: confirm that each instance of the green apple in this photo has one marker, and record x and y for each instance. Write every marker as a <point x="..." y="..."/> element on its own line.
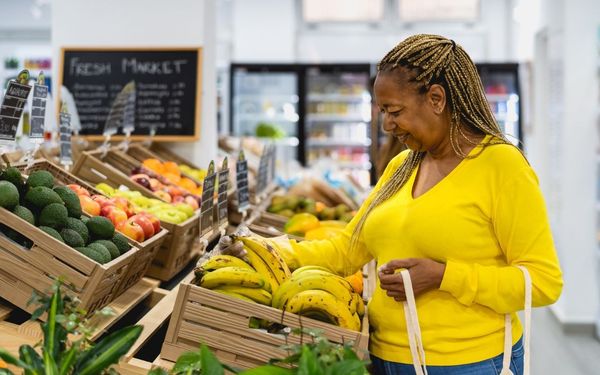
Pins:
<point x="105" y="188"/>
<point x="185" y="208"/>
<point x="141" y="202"/>
<point x="171" y="216"/>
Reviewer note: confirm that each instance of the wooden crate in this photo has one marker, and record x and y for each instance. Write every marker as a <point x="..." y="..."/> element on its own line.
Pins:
<point x="182" y="243"/>
<point x="222" y="323"/>
<point x="23" y="270"/>
<point x="148" y="248"/>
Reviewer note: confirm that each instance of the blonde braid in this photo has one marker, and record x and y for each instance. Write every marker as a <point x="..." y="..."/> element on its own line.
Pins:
<point x="436" y="59"/>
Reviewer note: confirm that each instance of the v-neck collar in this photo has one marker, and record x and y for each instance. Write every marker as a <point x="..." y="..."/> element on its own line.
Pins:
<point x="413" y="177"/>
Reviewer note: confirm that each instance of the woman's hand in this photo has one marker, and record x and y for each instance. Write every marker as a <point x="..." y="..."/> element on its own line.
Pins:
<point x="425" y="275"/>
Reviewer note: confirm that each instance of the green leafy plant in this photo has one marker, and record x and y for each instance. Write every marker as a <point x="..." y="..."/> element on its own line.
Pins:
<point x="66" y="348"/>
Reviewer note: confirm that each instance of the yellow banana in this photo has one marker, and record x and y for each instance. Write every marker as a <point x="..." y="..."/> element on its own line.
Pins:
<point x="261" y="267"/>
<point x="271" y="257"/>
<point x="309" y="268"/>
<point x="357" y="321"/>
<point x="314" y="271"/>
<point x="234" y="276"/>
<point x="319" y="300"/>
<point x="221" y="261"/>
<point x="255" y="294"/>
<point x="305" y="282"/>
<point x="359" y="304"/>
<point x="234" y="295"/>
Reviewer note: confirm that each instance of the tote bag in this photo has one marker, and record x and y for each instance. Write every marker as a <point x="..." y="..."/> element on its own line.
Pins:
<point x="416" y="343"/>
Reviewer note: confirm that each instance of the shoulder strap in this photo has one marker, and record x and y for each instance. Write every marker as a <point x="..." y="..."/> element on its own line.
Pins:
<point x="526" y="333"/>
<point x="412" y="326"/>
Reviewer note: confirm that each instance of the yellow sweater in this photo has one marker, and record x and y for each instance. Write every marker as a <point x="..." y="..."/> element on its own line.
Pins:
<point x="483" y="218"/>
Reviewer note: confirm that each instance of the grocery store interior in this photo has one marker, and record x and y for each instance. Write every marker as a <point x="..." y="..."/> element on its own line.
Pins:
<point x="289" y="83"/>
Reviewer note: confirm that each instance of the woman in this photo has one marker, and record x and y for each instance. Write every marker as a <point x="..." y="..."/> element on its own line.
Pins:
<point x="460" y="209"/>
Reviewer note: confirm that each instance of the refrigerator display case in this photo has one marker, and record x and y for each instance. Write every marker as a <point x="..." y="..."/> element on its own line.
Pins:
<point x="321" y="110"/>
<point x="501" y="85"/>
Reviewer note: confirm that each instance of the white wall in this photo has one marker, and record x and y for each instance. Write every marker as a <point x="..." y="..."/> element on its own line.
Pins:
<point x="151" y="23"/>
<point x="565" y="141"/>
<point x="283" y="38"/>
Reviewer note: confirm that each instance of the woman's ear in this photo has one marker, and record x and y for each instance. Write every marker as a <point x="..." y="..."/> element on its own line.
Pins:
<point x="436" y="96"/>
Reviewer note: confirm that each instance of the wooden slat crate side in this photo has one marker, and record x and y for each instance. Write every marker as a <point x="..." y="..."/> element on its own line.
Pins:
<point x="222" y="323"/>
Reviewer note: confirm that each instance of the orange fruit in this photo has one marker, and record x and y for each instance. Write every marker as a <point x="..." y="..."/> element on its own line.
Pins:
<point x="3" y="364"/>
<point x="356" y="280"/>
<point x="154" y="165"/>
<point x="187" y="184"/>
<point x="172" y="178"/>
<point x="171" y="167"/>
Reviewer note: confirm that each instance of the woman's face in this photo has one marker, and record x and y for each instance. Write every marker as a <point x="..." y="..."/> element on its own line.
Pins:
<point x="418" y="120"/>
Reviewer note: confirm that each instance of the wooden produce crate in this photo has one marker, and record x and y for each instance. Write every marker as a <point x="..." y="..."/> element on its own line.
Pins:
<point x="165" y="154"/>
<point x="23" y="270"/>
<point x="182" y="243"/>
<point x="222" y="323"/>
<point x="148" y="248"/>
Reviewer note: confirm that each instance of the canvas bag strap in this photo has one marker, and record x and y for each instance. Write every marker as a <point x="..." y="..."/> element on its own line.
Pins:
<point x="412" y="325"/>
<point x="526" y="334"/>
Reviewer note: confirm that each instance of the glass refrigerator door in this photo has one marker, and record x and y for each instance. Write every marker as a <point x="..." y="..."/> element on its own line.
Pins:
<point x="338" y="115"/>
<point x="500" y="83"/>
<point x="265" y="104"/>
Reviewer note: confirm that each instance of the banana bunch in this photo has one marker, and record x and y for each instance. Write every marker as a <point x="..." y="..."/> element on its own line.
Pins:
<point x="232" y="276"/>
<point x="317" y="293"/>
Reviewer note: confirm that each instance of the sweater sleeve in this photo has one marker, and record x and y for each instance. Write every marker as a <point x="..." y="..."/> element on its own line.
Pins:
<point x="520" y="222"/>
<point x="335" y="253"/>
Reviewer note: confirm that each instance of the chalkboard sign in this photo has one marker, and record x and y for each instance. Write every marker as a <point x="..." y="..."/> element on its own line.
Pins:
<point x="207" y="204"/>
<point x="12" y="108"/>
<point x="66" y="158"/>
<point x="241" y="172"/>
<point x="167" y="83"/>
<point x="263" y="171"/>
<point x="222" y="197"/>
<point x="38" y="111"/>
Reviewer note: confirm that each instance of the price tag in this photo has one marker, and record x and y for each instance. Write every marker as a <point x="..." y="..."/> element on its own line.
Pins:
<point x="38" y="109"/>
<point x="222" y="212"/>
<point x="263" y="172"/>
<point x="207" y="206"/>
<point x="117" y="111"/>
<point x="241" y="179"/>
<point x="12" y="108"/>
<point x="66" y="157"/>
<point x="272" y="164"/>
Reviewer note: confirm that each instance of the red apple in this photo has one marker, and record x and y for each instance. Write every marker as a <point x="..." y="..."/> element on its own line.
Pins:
<point x="123" y="204"/>
<point x="144" y="222"/>
<point x="192" y="202"/>
<point x="142" y="179"/>
<point x="89" y="206"/>
<point x="132" y="230"/>
<point x="79" y="190"/>
<point x="102" y="200"/>
<point x="153" y="219"/>
<point x="114" y="214"/>
<point x="155" y="184"/>
<point x="178" y="199"/>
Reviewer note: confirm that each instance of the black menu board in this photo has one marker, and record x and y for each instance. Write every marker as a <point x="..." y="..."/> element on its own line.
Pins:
<point x="167" y="84"/>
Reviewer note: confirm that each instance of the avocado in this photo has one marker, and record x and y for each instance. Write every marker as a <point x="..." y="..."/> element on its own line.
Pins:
<point x="70" y="199"/>
<point x="100" y="228"/>
<point x="52" y="232"/>
<point x="9" y="195"/>
<point x="102" y="250"/>
<point x="92" y="254"/>
<point x="41" y="196"/>
<point x="111" y="247"/>
<point x="54" y="216"/>
<point x="12" y="175"/>
<point x="121" y="242"/>
<point x="84" y="219"/>
<point x="40" y="178"/>
<point x="72" y="238"/>
<point x="79" y="227"/>
<point x="25" y="214"/>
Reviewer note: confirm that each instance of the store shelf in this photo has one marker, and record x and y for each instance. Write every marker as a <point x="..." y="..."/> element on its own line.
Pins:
<point x="337" y="143"/>
<point x="335" y="118"/>
<point x="263" y="117"/>
<point x="338" y="98"/>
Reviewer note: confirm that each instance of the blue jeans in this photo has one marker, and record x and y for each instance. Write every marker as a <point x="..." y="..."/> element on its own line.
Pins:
<point x="491" y="366"/>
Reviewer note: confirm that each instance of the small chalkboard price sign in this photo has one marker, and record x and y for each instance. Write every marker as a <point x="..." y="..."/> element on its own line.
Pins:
<point x="38" y="109"/>
<point x="241" y="178"/>
<point x="222" y="213"/>
<point x="207" y="205"/>
<point x="66" y="157"/>
<point x="12" y="108"/>
<point x="263" y="172"/>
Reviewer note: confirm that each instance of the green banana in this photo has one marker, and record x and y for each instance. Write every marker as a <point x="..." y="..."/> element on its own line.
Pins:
<point x="319" y="300"/>
<point x="234" y="276"/>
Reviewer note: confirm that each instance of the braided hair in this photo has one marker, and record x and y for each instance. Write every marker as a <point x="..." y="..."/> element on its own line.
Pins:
<point x="433" y="59"/>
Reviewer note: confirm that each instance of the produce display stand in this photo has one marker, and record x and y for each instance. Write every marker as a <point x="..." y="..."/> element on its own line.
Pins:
<point x="148" y="249"/>
<point x="222" y="323"/>
<point x="182" y="244"/>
